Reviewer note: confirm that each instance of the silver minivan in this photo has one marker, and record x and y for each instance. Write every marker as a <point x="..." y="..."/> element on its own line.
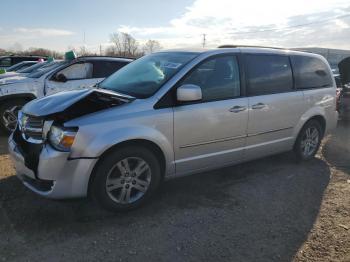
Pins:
<point x="169" y="114"/>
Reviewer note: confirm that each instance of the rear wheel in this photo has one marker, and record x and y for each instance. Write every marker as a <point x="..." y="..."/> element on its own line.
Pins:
<point x="309" y="140"/>
<point x="8" y="114"/>
<point x="126" y="178"/>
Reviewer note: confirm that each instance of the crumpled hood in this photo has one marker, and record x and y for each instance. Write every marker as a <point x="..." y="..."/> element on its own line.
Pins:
<point x="71" y="104"/>
<point x="54" y="103"/>
<point x="14" y="79"/>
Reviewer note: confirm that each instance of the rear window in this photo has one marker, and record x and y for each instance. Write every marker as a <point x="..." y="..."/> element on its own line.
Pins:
<point x="268" y="74"/>
<point x="103" y="69"/>
<point x="310" y="72"/>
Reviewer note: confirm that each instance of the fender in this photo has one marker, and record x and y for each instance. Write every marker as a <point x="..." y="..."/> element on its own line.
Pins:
<point x="312" y="112"/>
<point x="95" y="146"/>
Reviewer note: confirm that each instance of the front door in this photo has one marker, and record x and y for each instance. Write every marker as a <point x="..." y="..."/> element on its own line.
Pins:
<point x="212" y="132"/>
<point x="75" y="76"/>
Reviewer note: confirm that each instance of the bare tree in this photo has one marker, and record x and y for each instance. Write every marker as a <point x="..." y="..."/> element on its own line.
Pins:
<point x="125" y="44"/>
<point x="151" y="46"/>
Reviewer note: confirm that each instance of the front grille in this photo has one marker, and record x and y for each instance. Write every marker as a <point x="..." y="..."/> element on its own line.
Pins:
<point x="31" y="128"/>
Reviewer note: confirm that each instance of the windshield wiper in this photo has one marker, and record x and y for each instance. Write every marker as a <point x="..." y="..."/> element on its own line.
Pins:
<point x="114" y="93"/>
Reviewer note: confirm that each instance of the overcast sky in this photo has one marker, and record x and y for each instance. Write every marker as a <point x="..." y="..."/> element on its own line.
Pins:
<point x="176" y="23"/>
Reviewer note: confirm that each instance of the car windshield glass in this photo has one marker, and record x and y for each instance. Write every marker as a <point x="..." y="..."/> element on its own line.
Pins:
<point x="32" y="68"/>
<point x="143" y="77"/>
<point x="47" y="69"/>
<point x="15" y="67"/>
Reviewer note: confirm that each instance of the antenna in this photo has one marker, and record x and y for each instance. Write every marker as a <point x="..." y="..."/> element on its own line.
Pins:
<point x="204" y="40"/>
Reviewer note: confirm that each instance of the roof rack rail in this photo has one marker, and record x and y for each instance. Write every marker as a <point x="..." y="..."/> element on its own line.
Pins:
<point x="106" y="56"/>
<point x="256" y="46"/>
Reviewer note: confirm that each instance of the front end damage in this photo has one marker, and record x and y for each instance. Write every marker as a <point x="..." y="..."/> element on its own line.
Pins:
<point x="41" y="167"/>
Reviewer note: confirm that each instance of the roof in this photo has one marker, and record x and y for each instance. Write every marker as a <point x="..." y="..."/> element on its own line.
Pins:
<point x="106" y="58"/>
<point x="246" y="49"/>
<point x="24" y="56"/>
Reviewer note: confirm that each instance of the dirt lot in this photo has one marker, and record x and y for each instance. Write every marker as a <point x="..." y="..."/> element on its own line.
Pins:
<point x="272" y="209"/>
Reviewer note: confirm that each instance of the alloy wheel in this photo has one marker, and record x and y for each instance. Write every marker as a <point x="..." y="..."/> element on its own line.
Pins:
<point x="310" y="141"/>
<point x="128" y="180"/>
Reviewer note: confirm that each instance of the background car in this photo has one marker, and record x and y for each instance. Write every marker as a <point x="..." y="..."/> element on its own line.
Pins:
<point x="31" y="69"/>
<point x="79" y="73"/>
<point x="21" y="65"/>
<point x="7" y="61"/>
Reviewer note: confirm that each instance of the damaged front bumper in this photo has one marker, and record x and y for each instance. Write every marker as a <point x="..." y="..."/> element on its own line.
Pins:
<point x="49" y="172"/>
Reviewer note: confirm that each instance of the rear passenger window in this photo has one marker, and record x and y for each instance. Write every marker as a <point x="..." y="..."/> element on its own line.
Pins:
<point x="310" y="72"/>
<point x="218" y="78"/>
<point x="103" y="69"/>
<point x="268" y="74"/>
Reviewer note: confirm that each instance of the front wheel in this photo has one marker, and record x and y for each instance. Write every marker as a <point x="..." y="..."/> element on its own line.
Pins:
<point x="125" y="178"/>
<point x="309" y="140"/>
<point x="8" y="114"/>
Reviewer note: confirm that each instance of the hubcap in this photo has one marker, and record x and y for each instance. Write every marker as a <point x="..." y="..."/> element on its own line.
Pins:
<point x="128" y="180"/>
<point x="310" y="141"/>
<point x="9" y="118"/>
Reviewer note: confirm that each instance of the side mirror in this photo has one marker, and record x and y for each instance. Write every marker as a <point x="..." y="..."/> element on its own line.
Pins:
<point x="61" y="78"/>
<point x="189" y="93"/>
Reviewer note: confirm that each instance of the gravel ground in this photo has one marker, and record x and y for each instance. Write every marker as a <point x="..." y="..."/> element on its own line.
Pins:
<point x="272" y="209"/>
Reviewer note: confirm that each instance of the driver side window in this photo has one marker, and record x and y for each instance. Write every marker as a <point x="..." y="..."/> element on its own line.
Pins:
<point x="218" y="78"/>
<point x="76" y="71"/>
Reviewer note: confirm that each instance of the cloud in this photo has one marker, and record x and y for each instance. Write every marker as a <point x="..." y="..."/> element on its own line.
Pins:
<point x="43" y="32"/>
<point x="269" y="22"/>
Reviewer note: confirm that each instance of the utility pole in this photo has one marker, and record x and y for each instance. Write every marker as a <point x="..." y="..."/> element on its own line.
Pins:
<point x="204" y="40"/>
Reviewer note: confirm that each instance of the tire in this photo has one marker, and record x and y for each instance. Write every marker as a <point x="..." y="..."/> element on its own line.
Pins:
<point x="113" y="180"/>
<point x="305" y="147"/>
<point x="8" y="111"/>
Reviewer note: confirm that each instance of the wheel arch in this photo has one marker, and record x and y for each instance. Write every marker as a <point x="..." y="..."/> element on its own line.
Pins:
<point x="132" y="142"/>
<point x="318" y="117"/>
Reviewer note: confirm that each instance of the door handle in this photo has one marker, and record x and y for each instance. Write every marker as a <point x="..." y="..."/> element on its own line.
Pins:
<point x="258" y="106"/>
<point x="237" y="109"/>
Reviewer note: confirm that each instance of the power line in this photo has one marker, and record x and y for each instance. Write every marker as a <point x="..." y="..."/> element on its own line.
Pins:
<point x="292" y="26"/>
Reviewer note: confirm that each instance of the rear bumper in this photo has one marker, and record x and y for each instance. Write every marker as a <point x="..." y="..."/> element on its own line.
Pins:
<point x="332" y="121"/>
<point x="56" y="176"/>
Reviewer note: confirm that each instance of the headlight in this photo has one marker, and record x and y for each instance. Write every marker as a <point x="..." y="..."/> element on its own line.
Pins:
<point x="62" y="139"/>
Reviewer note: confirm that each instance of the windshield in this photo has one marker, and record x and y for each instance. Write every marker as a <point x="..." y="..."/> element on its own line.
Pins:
<point x="143" y="77"/>
<point x="17" y="66"/>
<point x="32" y="68"/>
<point x="46" y="69"/>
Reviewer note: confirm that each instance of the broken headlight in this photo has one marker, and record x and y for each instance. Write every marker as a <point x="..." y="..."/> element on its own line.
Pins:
<point x="61" y="138"/>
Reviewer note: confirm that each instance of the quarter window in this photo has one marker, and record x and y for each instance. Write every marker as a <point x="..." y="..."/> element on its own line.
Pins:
<point x="310" y="72"/>
<point x="217" y="77"/>
<point x="268" y="74"/>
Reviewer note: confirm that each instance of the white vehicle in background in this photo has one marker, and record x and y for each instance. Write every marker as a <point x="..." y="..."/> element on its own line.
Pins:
<point x="82" y="72"/>
<point x="27" y="70"/>
<point x="21" y="65"/>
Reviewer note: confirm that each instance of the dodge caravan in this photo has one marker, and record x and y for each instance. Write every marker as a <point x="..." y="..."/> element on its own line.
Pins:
<point x="170" y="114"/>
